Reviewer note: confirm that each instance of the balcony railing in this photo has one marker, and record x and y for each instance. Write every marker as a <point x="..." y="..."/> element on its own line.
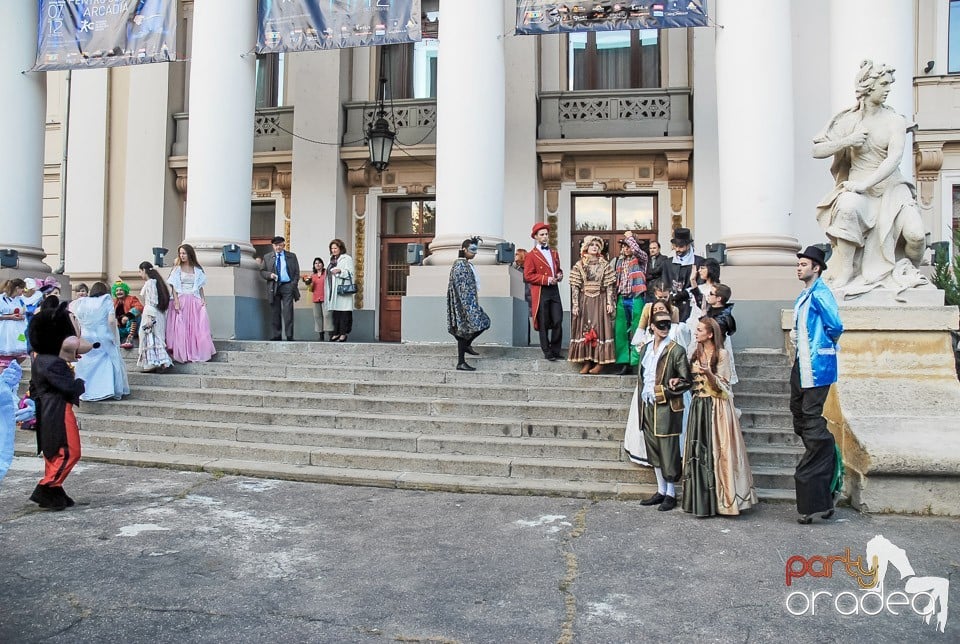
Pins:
<point x="415" y="121"/>
<point x="271" y="130"/>
<point x="615" y="113"/>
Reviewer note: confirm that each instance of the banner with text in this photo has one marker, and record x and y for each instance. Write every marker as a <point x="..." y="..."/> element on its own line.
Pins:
<point x="309" y="25"/>
<point x="548" y="17"/>
<point x="79" y="34"/>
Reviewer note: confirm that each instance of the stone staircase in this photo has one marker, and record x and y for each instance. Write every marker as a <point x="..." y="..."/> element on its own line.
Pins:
<point x="401" y="416"/>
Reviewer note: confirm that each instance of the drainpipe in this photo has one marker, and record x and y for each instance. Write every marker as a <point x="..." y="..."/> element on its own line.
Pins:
<point x="63" y="182"/>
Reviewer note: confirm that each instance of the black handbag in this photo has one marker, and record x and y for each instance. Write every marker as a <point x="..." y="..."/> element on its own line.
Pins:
<point x="348" y="288"/>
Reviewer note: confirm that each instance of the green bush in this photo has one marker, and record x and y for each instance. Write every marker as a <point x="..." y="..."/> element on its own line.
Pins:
<point x="946" y="271"/>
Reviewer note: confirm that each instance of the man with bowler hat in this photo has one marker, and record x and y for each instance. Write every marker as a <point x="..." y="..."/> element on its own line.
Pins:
<point x="816" y="330"/>
<point x="541" y="270"/>
<point x="678" y="271"/>
<point x="282" y="270"/>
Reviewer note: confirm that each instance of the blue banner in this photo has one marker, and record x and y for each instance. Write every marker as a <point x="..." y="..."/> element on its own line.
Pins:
<point x="309" y="25"/>
<point x="550" y="17"/>
<point x="78" y="34"/>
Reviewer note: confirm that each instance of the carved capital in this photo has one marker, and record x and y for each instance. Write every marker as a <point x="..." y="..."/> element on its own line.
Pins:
<point x="181" y="182"/>
<point x="615" y="185"/>
<point x="678" y="168"/>
<point x="929" y="160"/>
<point x="551" y="167"/>
<point x="283" y="178"/>
<point x="358" y="175"/>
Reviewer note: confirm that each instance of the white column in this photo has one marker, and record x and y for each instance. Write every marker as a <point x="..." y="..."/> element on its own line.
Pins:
<point x="755" y="132"/>
<point x="22" y="111"/>
<point x="882" y="31"/>
<point x="220" y="153"/>
<point x="471" y="129"/>
<point x="87" y="174"/>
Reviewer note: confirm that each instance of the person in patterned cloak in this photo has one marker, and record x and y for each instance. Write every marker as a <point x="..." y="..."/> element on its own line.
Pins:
<point x="465" y="319"/>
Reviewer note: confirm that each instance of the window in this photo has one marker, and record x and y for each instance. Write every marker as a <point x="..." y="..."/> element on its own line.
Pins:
<point x="608" y="216"/>
<point x="953" y="38"/>
<point x="613" y="60"/>
<point x="412" y="67"/>
<point x="270" y="68"/>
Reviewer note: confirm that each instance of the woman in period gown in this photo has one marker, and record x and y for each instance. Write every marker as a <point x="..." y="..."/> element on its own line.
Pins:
<point x="593" y="296"/>
<point x="102" y="368"/>
<point x="188" y="325"/>
<point x="716" y="472"/>
<point x="153" y="328"/>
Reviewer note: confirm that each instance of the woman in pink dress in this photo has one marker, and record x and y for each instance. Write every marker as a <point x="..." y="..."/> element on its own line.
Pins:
<point x="188" y="325"/>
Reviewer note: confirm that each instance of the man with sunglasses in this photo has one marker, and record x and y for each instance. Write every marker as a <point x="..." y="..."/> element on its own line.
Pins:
<point x="664" y="376"/>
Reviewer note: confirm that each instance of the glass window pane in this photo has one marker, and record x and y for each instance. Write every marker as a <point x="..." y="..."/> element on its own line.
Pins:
<point x="953" y="39"/>
<point x="577" y="61"/>
<point x="428" y="218"/>
<point x="649" y="58"/>
<point x="635" y="213"/>
<point x="399" y="218"/>
<point x="425" y="55"/>
<point x="613" y="60"/>
<point x="593" y="213"/>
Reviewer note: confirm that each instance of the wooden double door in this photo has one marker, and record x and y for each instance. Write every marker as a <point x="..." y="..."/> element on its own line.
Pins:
<point x="402" y="222"/>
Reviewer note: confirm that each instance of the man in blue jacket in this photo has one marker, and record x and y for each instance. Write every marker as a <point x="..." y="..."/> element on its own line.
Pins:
<point x="816" y="330"/>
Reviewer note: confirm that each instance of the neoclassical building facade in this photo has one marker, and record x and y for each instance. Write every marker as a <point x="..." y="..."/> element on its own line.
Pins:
<point x="709" y="128"/>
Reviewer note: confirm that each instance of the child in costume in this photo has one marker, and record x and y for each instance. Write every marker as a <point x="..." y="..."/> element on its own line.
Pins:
<point x="56" y="391"/>
<point x="128" y="309"/>
<point x="10" y="413"/>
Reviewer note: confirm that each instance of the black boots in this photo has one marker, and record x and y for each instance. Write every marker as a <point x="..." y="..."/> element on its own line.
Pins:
<point x="51" y="498"/>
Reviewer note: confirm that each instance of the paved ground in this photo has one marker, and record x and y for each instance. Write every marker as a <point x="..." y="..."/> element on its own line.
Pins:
<point x="161" y="556"/>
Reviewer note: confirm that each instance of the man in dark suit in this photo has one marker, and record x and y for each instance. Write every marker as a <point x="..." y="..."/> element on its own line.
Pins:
<point x="680" y="269"/>
<point x="541" y="270"/>
<point x="282" y="270"/>
<point x="655" y="263"/>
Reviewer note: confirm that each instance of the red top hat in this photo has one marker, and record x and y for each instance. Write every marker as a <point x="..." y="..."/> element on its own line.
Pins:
<point x="537" y="228"/>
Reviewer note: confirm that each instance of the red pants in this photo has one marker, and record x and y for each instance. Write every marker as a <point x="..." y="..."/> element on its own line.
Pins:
<point x="57" y="468"/>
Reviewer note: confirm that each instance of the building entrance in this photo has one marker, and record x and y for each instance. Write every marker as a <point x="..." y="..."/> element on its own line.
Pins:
<point x="608" y="216"/>
<point x="402" y="222"/>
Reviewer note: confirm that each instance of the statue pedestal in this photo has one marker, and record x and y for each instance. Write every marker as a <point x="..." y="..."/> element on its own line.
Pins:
<point x="894" y="409"/>
<point x="885" y="297"/>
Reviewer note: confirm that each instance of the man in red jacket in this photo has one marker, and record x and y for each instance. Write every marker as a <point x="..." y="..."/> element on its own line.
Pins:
<point x="541" y="270"/>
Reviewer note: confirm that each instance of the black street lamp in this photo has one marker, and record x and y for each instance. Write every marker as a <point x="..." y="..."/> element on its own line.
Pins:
<point x="379" y="135"/>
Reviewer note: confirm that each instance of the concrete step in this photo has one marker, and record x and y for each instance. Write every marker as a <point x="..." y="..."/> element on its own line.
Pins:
<point x="314" y="437"/>
<point x="353" y="403"/>
<point x="773" y="437"/>
<point x="468" y="391"/>
<point x="760" y="357"/>
<point x="763" y="372"/>
<point x="467" y="425"/>
<point x="766" y="418"/>
<point x="774" y="455"/>
<point x="757" y="386"/>
<point x="761" y="400"/>
<point x="379" y="478"/>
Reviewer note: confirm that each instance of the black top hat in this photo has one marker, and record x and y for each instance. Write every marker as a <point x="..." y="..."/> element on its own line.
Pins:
<point x="681" y="237"/>
<point x="814" y="254"/>
<point x="278" y="240"/>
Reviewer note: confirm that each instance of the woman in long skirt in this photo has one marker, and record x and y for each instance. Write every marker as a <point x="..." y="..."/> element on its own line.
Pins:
<point x="153" y="336"/>
<point x="716" y="472"/>
<point x="592" y="297"/>
<point x="188" y="325"/>
<point x="102" y="369"/>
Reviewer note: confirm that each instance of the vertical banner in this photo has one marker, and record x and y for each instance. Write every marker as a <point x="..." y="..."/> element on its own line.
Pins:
<point x="77" y="34"/>
<point x="309" y="25"/>
<point x="550" y="17"/>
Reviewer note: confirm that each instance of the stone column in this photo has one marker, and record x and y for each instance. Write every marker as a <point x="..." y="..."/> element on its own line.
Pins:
<point x="22" y="111"/>
<point x="470" y="130"/>
<point x="220" y="156"/>
<point x="220" y="166"/>
<point x="882" y="31"/>
<point x="755" y="133"/>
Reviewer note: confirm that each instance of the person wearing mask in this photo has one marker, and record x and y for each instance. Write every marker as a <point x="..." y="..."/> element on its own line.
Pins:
<point x="465" y="318"/>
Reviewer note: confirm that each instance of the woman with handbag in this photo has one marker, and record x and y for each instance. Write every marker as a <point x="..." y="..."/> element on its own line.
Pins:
<point x="340" y="291"/>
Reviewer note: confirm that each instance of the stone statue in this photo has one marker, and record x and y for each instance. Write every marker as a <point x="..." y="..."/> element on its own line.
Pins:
<point x="871" y="216"/>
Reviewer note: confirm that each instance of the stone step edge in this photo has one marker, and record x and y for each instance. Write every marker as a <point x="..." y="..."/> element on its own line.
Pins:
<point x="318" y="397"/>
<point x="400" y="435"/>
<point x="572" y="443"/>
<point x="508" y="461"/>
<point x="374" y="417"/>
<point x="395" y="480"/>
